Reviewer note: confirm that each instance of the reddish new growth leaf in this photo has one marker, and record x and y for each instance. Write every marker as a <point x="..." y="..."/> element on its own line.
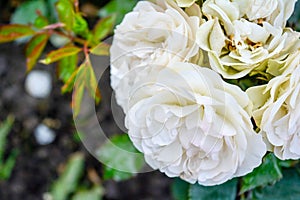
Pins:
<point x="12" y="32"/>
<point x="61" y="53"/>
<point x="85" y="78"/>
<point x="34" y="48"/>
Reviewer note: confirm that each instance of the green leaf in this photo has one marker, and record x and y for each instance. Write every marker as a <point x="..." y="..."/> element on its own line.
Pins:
<point x="7" y="167"/>
<point x="52" y="15"/>
<point x="12" y="32"/>
<point x="68" y="86"/>
<point x="80" y="25"/>
<point x="118" y="7"/>
<point x="287" y="188"/>
<point x="114" y="154"/>
<point x="112" y="174"/>
<point x="78" y="90"/>
<point x="59" y="54"/>
<point x="180" y="189"/>
<point x="226" y="191"/>
<point x="77" y="99"/>
<point x="34" y="49"/>
<point x="85" y="78"/>
<point x="66" y="67"/>
<point x="288" y="163"/>
<point x="267" y="173"/>
<point x="104" y="27"/>
<point x="68" y="180"/>
<point x="92" y="83"/>
<point x="26" y="13"/>
<point x="94" y="194"/>
<point x="41" y="22"/>
<point x="65" y="11"/>
<point x="101" y="49"/>
<point x="294" y="20"/>
<point x="5" y="128"/>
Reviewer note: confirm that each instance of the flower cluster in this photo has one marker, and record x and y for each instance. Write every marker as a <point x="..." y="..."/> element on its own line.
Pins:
<point x="241" y="36"/>
<point x="173" y="65"/>
<point x="276" y="107"/>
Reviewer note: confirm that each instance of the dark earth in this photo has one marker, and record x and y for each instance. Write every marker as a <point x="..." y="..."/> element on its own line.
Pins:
<point x="38" y="166"/>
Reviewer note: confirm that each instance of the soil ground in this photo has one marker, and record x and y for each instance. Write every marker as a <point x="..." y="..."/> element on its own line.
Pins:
<point x="38" y="166"/>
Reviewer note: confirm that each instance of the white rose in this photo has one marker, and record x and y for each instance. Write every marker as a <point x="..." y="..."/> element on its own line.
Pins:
<point x="241" y="35"/>
<point x="190" y="123"/>
<point x="275" y="12"/>
<point x="158" y="34"/>
<point x="224" y="10"/>
<point x="276" y="109"/>
<point x="245" y="49"/>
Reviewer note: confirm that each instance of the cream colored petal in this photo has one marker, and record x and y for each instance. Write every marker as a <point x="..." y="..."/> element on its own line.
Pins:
<point x="185" y="3"/>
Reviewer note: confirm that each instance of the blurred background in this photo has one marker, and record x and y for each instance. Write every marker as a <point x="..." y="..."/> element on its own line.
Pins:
<point x="41" y="155"/>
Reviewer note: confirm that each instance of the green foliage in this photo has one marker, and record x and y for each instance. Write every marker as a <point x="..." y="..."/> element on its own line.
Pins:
<point x="85" y="78"/>
<point x="6" y="166"/>
<point x="69" y="184"/>
<point x="249" y="81"/>
<point x="101" y="49"/>
<point x="69" y="179"/>
<point x="28" y="11"/>
<point x="104" y="27"/>
<point x="52" y="13"/>
<point x="66" y="13"/>
<point x="10" y="33"/>
<point x="34" y="49"/>
<point x="61" y="53"/>
<point x="44" y="20"/>
<point x="226" y="191"/>
<point x="115" y="155"/>
<point x="113" y="174"/>
<point x="267" y="173"/>
<point x="294" y="21"/>
<point x="182" y="190"/>
<point x="41" y="21"/>
<point x="67" y="66"/>
<point x="80" y="26"/>
<point x="268" y="181"/>
<point x="117" y="7"/>
<point x="287" y="188"/>
<point x="95" y="193"/>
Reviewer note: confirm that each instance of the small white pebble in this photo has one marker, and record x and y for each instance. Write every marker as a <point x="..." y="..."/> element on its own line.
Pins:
<point x="59" y="41"/>
<point x="44" y="135"/>
<point x="47" y="196"/>
<point x="38" y="84"/>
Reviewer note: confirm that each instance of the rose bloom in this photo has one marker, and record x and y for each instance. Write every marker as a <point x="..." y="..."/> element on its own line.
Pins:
<point x="189" y="123"/>
<point x="153" y="33"/>
<point x="275" y="12"/>
<point x="237" y="46"/>
<point x="276" y="109"/>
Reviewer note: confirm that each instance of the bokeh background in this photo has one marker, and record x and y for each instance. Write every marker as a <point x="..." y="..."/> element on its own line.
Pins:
<point x="63" y="166"/>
